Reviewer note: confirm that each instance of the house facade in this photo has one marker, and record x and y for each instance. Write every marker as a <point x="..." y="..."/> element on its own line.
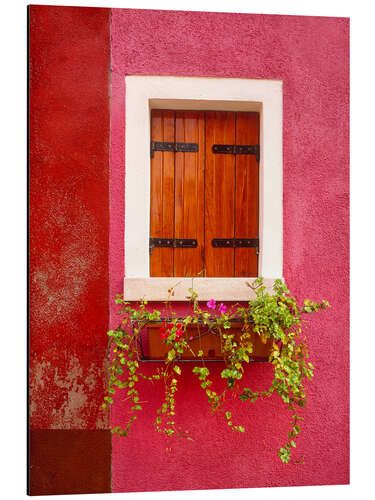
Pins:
<point x="103" y="85"/>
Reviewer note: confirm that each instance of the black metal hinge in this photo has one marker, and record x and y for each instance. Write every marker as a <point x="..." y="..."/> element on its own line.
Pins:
<point x="172" y="243"/>
<point x="236" y="243"/>
<point x="234" y="149"/>
<point x="174" y="147"/>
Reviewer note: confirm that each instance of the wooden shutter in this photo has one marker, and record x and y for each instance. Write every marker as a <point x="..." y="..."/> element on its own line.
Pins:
<point x="220" y="189"/>
<point x="189" y="193"/>
<point x="162" y="192"/>
<point x="177" y="193"/>
<point x="247" y="195"/>
<point x="204" y="195"/>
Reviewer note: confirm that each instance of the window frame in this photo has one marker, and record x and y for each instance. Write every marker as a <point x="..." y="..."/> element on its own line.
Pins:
<point x="144" y="93"/>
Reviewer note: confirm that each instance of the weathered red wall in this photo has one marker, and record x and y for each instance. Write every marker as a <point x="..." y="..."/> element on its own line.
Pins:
<point x="311" y="56"/>
<point x="69" y="232"/>
<point x="69" y="227"/>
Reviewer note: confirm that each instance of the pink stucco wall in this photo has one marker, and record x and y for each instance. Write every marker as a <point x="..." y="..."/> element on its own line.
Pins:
<point x="311" y="56"/>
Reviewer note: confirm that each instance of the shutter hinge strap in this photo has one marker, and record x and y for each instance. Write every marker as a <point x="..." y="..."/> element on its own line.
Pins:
<point x="172" y="243"/>
<point x="174" y="147"/>
<point x="235" y="149"/>
<point x="235" y="243"/>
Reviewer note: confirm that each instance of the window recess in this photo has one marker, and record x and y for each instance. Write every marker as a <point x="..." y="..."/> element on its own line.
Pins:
<point x="204" y="197"/>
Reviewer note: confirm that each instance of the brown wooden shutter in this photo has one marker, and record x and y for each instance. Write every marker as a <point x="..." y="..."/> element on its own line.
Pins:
<point x="247" y="195"/>
<point x="204" y="195"/>
<point x="220" y="189"/>
<point x="189" y="193"/>
<point x="162" y="192"/>
<point x="177" y="193"/>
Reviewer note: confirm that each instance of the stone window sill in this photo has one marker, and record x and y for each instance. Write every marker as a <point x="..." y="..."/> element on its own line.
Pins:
<point x="224" y="289"/>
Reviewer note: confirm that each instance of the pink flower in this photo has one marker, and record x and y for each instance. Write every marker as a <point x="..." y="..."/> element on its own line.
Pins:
<point x="222" y="308"/>
<point x="179" y="334"/>
<point x="211" y="304"/>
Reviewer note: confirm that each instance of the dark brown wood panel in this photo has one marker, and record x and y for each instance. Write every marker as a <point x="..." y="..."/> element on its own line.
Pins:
<point x="162" y="192"/>
<point x="247" y="195"/>
<point x="219" y="190"/>
<point x="68" y="462"/>
<point x="189" y="193"/>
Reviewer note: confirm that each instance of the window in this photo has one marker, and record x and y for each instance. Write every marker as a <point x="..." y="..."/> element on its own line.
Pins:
<point x="147" y="93"/>
<point x="204" y="193"/>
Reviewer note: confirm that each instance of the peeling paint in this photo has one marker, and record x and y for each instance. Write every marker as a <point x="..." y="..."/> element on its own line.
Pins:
<point x="64" y="393"/>
<point x="69" y="438"/>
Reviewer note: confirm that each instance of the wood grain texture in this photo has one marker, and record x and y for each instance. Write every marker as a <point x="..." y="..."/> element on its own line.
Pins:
<point x="189" y="193"/>
<point x="219" y="188"/>
<point x="162" y="192"/>
<point x="246" y="195"/>
<point x="204" y="195"/>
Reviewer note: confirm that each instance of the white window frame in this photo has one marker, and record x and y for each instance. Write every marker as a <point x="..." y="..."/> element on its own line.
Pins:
<point x="144" y="93"/>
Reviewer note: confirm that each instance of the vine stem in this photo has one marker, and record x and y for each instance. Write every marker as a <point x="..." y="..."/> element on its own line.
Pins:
<point x="276" y="317"/>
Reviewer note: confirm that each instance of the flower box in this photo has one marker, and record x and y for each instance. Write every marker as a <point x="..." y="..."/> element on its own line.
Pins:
<point x="200" y="337"/>
<point x="269" y="328"/>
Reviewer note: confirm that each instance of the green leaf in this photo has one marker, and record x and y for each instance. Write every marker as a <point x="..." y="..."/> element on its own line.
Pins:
<point x="276" y="317"/>
<point x="171" y="354"/>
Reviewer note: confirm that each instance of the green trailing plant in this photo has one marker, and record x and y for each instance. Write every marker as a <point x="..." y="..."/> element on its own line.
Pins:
<point x="275" y="317"/>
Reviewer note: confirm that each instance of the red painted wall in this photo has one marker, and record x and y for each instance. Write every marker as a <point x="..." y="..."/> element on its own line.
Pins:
<point x="69" y="226"/>
<point x="311" y="56"/>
